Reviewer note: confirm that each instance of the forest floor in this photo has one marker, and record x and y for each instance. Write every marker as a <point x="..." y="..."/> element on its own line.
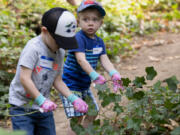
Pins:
<point x="160" y="50"/>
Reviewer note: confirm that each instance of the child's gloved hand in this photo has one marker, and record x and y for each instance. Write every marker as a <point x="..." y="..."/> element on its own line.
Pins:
<point x="117" y="82"/>
<point x="78" y="103"/>
<point x="100" y="80"/>
<point x="96" y="78"/>
<point x="45" y="104"/>
<point x="48" y="106"/>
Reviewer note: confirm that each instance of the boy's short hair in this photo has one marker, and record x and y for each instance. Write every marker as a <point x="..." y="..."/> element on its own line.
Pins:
<point x="61" y="24"/>
<point x="91" y="4"/>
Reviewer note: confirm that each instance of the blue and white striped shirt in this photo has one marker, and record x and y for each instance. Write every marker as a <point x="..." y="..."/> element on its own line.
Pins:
<point x="73" y="75"/>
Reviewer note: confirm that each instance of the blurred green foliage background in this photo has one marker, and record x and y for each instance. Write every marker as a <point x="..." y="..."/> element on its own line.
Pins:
<point x="20" y="21"/>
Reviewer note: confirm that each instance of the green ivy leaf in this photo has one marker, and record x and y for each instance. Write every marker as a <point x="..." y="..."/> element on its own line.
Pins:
<point x="101" y="87"/>
<point x="172" y="83"/>
<point x="139" y="82"/>
<point x="96" y="122"/>
<point x="129" y="93"/>
<point x="176" y="131"/>
<point x="91" y="107"/>
<point x="157" y="85"/>
<point x="106" y="101"/>
<point x="169" y="105"/>
<point x="133" y="123"/>
<point x="126" y="81"/>
<point x="138" y="95"/>
<point x="118" y="109"/>
<point x="77" y="128"/>
<point x="151" y="73"/>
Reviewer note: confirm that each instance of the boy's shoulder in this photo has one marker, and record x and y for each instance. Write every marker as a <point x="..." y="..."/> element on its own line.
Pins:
<point x="81" y="34"/>
<point x="35" y="42"/>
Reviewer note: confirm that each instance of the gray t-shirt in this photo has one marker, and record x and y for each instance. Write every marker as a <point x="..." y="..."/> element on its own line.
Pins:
<point x="45" y="64"/>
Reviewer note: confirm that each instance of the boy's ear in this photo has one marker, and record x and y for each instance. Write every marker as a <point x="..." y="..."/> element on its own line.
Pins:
<point x="77" y="22"/>
<point x="44" y="29"/>
<point x="102" y="21"/>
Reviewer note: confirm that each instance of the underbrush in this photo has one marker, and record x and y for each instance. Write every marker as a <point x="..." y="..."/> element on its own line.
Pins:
<point x="151" y="110"/>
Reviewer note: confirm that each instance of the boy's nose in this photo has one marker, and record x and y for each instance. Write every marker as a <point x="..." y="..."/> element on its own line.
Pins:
<point x="90" y="22"/>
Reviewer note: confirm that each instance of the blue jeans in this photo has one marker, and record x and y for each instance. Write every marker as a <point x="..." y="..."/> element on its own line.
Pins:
<point x="34" y="124"/>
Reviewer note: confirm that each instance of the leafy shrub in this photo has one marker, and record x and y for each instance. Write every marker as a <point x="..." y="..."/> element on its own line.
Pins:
<point x="150" y="109"/>
<point x="19" y="22"/>
<point x="5" y="79"/>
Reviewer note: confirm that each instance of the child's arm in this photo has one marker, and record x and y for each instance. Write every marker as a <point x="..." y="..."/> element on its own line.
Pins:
<point x="106" y="63"/>
<point x="28" y="84"/>
<point x="77" y="102"/>
<point x="30" y="88"/>
<point x="81" y="59"/>
<point x="115" y="76"/>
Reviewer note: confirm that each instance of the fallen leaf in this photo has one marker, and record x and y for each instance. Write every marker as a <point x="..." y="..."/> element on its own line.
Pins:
<point x="169" y="126"/>
<point x="177" y="57"/>
<point x="178" y="86"/>
<point x="152" y="58"/>
<point x="136" y="46"/>
<point x="130" y="67"/>
<point x="174" y="123"/>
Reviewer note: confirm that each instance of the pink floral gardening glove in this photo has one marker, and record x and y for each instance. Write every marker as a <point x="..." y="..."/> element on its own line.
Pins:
<point x="45" y="104"/>
<point x="78" y="103"/>
<point x="97" y="78"/>
<point x="100" y="80"/>
<point x="117" y="82"/>
<point x="48" y="106"/>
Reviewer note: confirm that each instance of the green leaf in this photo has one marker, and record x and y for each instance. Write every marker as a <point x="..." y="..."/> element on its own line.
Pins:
<point x="157" y="85"/>
<point x="101" y="87"/>
<point x="118" y="109"/>
<point x="172" y="83"/>
<point x="151" y="73"/>
<point x="176" y="131"/>
<point x="4" y="132"/>
<point x="139" y="82"/>
<point x="97" y="122"/>
<point x="138" y="95"/>
<point x="129" y="93"/>
<point x="169" y="105"/>
<point x="133" y="123"/>
<point x="126" y="81"/>
<point x="76" y="127"/>
<point x="92" y="111"/>
<point x="107" y="100"/>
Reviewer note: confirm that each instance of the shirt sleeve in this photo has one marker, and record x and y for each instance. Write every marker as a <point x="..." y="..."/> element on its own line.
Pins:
<point x="81" y="44"/>
<point x="61" y="59"/>
<point x="29" y="57"/>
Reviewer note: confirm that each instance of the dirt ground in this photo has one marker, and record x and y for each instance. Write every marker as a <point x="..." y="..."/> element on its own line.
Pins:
<point x="160" y="50"/>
